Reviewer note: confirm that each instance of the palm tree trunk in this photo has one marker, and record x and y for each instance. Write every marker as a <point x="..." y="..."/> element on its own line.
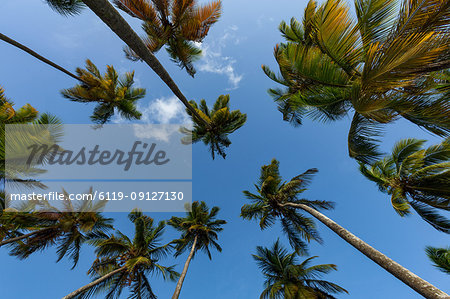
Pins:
<point x="41" y="58"/>
<point x="15" y="239"/>
<point x="111" y="17"/>
<point x="94" y="283"/>
<point x="176" y="294"/>
<point x="418" y="284"/>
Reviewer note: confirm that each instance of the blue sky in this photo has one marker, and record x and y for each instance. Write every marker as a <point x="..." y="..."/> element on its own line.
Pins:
<point x="234" y="51"/>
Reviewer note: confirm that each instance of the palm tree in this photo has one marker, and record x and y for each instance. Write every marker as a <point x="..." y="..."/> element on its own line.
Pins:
<point x="440" y="258"/>
<point x="123" y="262"/>
<point x="271" y="192"/>
<point x="45" y="129"/>
<point x="177" y="24"/>
<point x="277" y="199"/>
<point x="199" y="232"/>
<point x="109" y="91"/>
<point x="222" y="122"/>
<point x="68" y="227"/>
<point x="286" y="278"/>
<point x="416" y="178"/>
<point x="111" y="17"/>
<point x="382" y="66"/>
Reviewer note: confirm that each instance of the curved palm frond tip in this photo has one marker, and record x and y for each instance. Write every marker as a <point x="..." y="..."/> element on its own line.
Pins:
<point x="440" y="258"/>
<point x="66" y="7"/>
<point x="179" y="25"/>
<point x="380" y="67"/>
<point x="269" y="204"/>
<point x="415" y="177"/>
<point x="221" y="122"/>
<point x="123" y="262"/>
<point x="199" y="231"/>
<point x="286" y="278"/>
<point x="109" y="91"/>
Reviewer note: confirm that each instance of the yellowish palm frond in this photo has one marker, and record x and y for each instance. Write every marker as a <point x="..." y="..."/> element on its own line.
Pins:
<point x="375" y="19"/>
<point x="140" y="9"/>
<point x="202" y="19"/>
<point x="308" y="20"/>
<point x="399" y="64"/>
<point x="163" y="7"/>
<point x="422" y="16"/>
<point x="337" y="35"/>
<point x="179" y="8"/>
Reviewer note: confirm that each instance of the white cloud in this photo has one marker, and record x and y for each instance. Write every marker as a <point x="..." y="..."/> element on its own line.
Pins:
<point x="166" y="113"/>
<point x="160" y="111"/>
<point x="213" y="60"/>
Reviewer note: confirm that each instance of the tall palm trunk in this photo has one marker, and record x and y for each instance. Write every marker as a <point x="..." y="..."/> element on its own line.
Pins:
<point x="12" y="240"/>
<point x="111" y="17"/>
<point x="418" y="284"/>
<point x="94" y="283"/>
<point x="176" y="294"/>
<point x="34" y="54"/>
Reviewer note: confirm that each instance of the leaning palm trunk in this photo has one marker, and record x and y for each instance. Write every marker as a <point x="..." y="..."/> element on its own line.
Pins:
<point x="34" y="54"/>
<point x="418" y="284"/>
<point x="176" y="294"/>
<point x="111" y="17"/>
<point x="94" y="283"/>
<point x="15" y="239"/>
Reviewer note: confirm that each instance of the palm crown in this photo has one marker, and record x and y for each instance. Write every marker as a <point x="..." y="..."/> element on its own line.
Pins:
<point x="415" y="177"/>
<point x="382" y="66"/>
<point x="137" y="257"/>
<point x="69" y="227"/>
<point x="177" y="24"/>
<point x="200" y="225"/>
<point x="269" y="203"/>
<point x="221" y="122"/>
<point x="286" y="278"/>
<point x="109" y="92"/>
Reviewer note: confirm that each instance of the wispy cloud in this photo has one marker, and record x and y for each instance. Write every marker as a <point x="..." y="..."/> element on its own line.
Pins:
<point x="263" y="19"/>
<point x="213" y="60"/>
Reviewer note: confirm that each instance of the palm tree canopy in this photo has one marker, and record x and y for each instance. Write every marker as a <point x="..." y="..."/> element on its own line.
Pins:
<point x="382" y="66"/>
<point x="177" y="24"/>
<point x="416" y="177"/>
<point x="68" y="227"/>
<point x="199" y="223"/>
<point x="268" y="204"/>
<point x="139" y="255"/>
<point x="109" y="92"/>
<point x="440" y="258"/>
<point x="286" y="278"/>
<point x="221" y="120"/>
